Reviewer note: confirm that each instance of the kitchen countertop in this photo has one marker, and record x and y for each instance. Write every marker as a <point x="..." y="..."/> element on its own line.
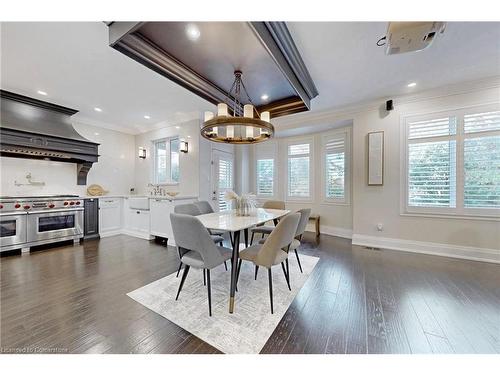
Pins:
<point x="179" y="197"/>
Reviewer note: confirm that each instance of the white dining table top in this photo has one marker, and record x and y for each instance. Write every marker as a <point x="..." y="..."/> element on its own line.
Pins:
<point x="229" y="221"/>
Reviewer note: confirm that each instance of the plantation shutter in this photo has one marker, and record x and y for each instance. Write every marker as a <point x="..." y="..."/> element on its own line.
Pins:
<point x="265" y="177"/>
<point x="225" y="170"/>
<point x="482" y="160"/>
<point x="335" y="148"/>
<point x="432" y="162"/>
<point x="299" y="170"/>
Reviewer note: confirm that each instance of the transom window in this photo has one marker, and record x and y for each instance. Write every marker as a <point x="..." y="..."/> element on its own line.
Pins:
<point x="166" y="161"/>
<point x="453" y="162"/>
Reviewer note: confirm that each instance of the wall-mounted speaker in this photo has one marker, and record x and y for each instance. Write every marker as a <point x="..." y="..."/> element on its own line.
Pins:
<point x="389" y="106"/>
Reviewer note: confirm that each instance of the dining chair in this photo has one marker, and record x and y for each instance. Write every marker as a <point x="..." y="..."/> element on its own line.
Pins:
<point x="196" y="249"/>
<point x="271" y="252"/>
<point x="263" y="229"/>
<point x="193" y="210"/>
<point x="206" y="208"/>
<point x="301" y="228"/>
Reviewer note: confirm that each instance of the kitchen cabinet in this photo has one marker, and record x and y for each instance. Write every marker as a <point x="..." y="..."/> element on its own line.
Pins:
<point x="110" y="216"/>
<point x="160" y="210"/>
<point x="91" y="218"/>
<point x="136" y="221"/>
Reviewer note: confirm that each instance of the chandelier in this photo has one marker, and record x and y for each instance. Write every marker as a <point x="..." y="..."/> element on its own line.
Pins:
<point x="241" y="127"/>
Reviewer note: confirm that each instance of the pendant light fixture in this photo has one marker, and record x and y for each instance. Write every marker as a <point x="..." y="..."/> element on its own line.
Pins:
<point x="238" y="126"/>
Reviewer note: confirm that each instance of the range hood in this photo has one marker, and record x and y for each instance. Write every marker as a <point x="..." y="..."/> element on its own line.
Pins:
<point x="34" y="129"/>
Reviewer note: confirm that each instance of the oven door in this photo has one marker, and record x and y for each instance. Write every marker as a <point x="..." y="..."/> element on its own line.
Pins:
<point x="13" y="229"/>
<point x="54" y="224"/>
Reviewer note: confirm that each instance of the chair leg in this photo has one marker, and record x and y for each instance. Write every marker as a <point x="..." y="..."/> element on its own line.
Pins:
<point x="251" y="239"/>
<point x="256" y="271"/>
<point x="298" y="260"/>
<point x="238" y="272"/>
<point x="204" y="278"/>
<point x="270" y="276"/>
<point x="209" y="294"/>
<point x="286" y="275"/>
<point x="231" y="239"/>
<point x="184" y="275"/>
<point x="179" y="269"/>
<point x="225" y="265"/>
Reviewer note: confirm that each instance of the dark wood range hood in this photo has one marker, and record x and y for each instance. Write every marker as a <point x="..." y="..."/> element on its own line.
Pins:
<point x="34" y="129"/>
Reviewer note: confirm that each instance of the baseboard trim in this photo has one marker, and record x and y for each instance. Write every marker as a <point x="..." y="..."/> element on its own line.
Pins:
<point x="430" y="248"/>
<point x="111" y="233"/>
<point x="331" y="231"/>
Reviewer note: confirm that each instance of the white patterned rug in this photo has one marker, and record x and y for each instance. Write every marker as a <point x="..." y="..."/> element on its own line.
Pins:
<point x="251" y="324"/>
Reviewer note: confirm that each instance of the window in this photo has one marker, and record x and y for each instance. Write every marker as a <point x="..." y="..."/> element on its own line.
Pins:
<point x="336" y="167"/>
<point x="453" y="162"/>
<point x="166" y="161"/>
<point x="265" y="169"/>
<point x="265" y="177"/>
<point x="299" y="173"/>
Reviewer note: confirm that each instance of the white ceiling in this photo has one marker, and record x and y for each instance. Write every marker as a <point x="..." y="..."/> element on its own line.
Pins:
<point x="348" y="67"/>
<point x="73" y="63"/>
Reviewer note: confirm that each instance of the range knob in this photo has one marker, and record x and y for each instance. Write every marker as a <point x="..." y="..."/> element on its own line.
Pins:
<point x="78" y="203"/>
<point x="65" y="203"/>
<point x="17" y="205"/>
<point x="52" y="205"/>
<point x="71" y="203"/>
<point x="26" y="207"/>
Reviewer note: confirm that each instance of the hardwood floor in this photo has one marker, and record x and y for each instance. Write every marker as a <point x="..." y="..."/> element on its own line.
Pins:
<point x="72" y="300"/>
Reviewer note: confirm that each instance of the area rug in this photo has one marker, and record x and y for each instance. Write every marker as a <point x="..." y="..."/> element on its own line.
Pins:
<point x="251" y="324"/>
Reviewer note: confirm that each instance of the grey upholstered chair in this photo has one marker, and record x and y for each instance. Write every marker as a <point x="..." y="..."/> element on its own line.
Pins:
<point x="263" y="229"/>
<point x="196" y="249"/>
<point x="205" y="208"/>
<point x="271" y="252"/>
<point x="193" y="210"/>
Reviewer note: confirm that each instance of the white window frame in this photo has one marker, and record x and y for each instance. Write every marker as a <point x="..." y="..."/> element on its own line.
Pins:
<point x="265" y="151"/>
<point x="169" y="181"/>
<point x="346" y="133"/>
<point x="446" y="212"/>
<point x="300" y="141"/>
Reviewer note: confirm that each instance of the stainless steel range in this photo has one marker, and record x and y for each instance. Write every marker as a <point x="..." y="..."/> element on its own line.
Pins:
<point x="31" y="221"/>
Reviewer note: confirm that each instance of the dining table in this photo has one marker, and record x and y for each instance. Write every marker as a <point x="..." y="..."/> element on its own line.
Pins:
<point x="230" y="221"/>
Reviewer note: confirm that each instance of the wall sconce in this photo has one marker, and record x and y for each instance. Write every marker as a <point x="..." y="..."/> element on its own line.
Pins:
<point x="183" y="147"/>
<point x="142" y="152"/>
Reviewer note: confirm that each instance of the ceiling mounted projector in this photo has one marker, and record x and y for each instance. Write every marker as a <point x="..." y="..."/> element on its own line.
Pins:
<point x="405" y="37"/>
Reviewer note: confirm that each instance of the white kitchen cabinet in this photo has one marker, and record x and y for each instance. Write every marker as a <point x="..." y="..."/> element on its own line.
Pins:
<point x="160" y="210"/>
<point x="110" y="216"/>
<point x="136" y="222"/>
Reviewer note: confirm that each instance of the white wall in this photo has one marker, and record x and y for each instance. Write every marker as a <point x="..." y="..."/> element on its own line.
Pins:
<point x="374" y="204"/>
<point x="189" y="179"/>
<point x="381" y="204"/>
<point x="114" y="171"/>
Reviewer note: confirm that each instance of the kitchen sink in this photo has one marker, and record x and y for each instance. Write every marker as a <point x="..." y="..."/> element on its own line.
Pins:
<point x="138" y="203"/>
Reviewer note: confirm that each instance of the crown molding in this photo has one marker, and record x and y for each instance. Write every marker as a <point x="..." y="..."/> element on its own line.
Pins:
<point x="340" y="113"/>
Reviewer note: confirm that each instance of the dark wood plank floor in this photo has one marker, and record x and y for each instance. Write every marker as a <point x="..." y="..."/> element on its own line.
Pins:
<point x="73" y="300"/>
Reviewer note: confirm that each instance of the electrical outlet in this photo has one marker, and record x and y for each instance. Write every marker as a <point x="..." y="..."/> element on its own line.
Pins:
<point x="380" y="227"/>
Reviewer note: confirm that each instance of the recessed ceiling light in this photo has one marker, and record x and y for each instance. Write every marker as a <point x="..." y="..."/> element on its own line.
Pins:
<point x="147" y="117"/>
<point x="96" y="133"/>
<point x="192" y="32"/>
<point x="42" y="92"/>
<point x="189" y="136"/>
<point x="97" y="109"/>
<point x="177" y="127"/>
<point x="264" y="97"/>
<point x="412" y="84"/>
